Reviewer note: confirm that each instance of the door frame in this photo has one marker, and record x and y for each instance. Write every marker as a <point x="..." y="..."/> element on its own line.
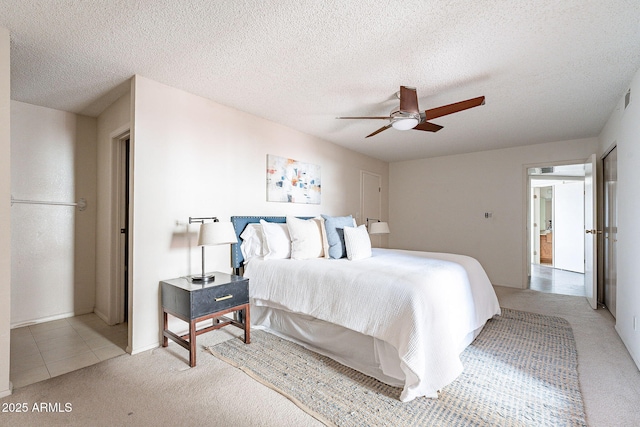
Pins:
<point x="601" y="207"/>
<point x="526" y="263"/>
<point x="119" y="218"/>
<point x="362" y="190"/>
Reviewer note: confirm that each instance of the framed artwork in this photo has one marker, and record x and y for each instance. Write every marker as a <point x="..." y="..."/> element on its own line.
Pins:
<point x="292" y="181"/>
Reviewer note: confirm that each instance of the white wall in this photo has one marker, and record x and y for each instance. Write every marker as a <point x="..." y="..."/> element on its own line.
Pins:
<point x="84" y="240"/>
<point x="623" y="131"/>
<point x="194" y="157"/>
<point x="52" y="247"/>
<point x="438" y="204"/>
<point x="5" y="213"/>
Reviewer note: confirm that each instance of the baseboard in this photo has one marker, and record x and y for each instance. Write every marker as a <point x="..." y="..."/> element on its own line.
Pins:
<point x="7" y="392"/>
<point x="101" y="315"/>
<point x="146" y="348"/>
<point x="86" y="310"/>
<point x="635" y="360"/>
<point x="41" y="320"/>
<point x="508" y="286"/>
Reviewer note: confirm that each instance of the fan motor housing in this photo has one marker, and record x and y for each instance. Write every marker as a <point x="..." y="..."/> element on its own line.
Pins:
<point x="403" y="120"/>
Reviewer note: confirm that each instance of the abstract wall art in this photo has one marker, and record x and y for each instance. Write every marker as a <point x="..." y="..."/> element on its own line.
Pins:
<point x="292" y="181"/>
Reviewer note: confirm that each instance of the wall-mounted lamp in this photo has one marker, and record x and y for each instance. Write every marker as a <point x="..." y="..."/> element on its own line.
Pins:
<point x="212" y="233"/>
<point x="375" y="226"/>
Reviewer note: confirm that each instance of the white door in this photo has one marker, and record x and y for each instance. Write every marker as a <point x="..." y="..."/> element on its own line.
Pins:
<point x="591" y="234"/>
<point x="371" y="200"/>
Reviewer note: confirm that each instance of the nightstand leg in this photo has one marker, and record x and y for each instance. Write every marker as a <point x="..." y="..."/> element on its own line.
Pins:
<point x="165" y="340"/>
<point x="247" y="324"/>
<point x="192" y="343"/>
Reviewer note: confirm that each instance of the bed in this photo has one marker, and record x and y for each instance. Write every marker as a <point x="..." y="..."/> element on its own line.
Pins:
<point x="402" y="317"/>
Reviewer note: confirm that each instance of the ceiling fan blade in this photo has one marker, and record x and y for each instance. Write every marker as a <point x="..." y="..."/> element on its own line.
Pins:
<point x="453" y="108"/>
<point x="429" y="127"/>
<point x="379" y="130"/>
<point x="408" y="99"/>
<point x="364" y="118"/>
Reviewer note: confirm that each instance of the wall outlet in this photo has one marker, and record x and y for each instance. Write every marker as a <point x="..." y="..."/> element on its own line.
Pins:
<point x="635" y="323"/>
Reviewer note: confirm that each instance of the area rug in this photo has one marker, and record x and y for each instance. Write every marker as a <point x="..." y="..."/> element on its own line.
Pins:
<point x="520" y="371"/>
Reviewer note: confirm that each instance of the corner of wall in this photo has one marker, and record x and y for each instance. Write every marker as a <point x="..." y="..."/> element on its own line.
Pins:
<point x="5" y="213"/>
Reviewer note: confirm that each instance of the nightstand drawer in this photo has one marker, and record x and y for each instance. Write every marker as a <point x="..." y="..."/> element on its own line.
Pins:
<point x="220" y="298"/>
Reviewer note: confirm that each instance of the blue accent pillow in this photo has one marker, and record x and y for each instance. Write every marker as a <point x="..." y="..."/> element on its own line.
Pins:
<point x="334" y="225"/>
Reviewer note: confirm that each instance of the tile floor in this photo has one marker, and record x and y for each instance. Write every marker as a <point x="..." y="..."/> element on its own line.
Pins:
<point x="545" y="278"/>
<point x="46" y="350"/>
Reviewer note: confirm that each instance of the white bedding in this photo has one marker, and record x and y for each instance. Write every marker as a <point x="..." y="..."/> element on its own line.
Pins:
<point x="424" y="305"/>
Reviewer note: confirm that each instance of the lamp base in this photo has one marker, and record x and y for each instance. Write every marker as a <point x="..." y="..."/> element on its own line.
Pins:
<point x="203" y="279"/>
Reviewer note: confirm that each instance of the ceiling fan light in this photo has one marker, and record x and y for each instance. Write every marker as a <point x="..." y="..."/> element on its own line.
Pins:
<point x="405" y="123"/>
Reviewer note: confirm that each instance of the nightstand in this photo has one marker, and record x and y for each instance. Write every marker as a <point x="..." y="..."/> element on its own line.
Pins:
<point x="196" y="302"/>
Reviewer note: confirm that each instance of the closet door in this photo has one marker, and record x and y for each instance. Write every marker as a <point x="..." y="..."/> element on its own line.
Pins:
<point x="610" y="229"/>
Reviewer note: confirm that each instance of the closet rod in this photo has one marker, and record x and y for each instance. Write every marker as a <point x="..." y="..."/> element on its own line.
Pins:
<point x="81" y="204"/>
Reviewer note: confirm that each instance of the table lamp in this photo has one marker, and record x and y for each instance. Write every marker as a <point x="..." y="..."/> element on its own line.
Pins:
<point x="211" y="234"/>
<point x="377" y="227"/>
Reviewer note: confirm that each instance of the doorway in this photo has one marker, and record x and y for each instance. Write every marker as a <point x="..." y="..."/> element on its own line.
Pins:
<point x="120" y="280"/>
<point x="556" y="229"/>
<point x="124" y="230"/>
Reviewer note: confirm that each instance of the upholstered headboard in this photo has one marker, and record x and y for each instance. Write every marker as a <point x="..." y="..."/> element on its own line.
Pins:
<point x="239" y="224"/>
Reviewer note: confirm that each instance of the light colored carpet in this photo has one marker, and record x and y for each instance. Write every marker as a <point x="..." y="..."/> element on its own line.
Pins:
<point x="520" y="371"/>
<point x="158" y="388"/>
<point x="609" y="379"/>
<point x="155" y="388"/>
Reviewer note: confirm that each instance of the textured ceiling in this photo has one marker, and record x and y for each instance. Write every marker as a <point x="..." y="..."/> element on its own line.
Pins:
<point x="550" y="70"/>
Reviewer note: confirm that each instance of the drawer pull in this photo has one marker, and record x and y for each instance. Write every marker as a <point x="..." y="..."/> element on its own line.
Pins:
<point x="224" y="297"/>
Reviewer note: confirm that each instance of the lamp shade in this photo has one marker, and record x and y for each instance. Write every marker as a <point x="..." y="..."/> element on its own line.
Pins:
<point x="216" y="233"/>
<point x="378" y="228"/>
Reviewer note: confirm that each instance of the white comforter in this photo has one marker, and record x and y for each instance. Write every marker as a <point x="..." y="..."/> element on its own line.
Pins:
<point x="423" y="304"/>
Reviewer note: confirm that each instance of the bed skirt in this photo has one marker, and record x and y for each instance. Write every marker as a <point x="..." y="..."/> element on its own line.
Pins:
<point x="364" y="353"/>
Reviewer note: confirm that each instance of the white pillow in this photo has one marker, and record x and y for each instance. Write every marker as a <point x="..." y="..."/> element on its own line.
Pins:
<point x="306" y="238"/>
<point x="276" y="241"/>
<point x="357" y="241"/>
<point x="325" y="241"/>
<point x="251" y="245"/>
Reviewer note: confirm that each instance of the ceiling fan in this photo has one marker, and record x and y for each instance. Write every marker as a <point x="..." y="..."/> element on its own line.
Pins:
<point x="408" y="116"/>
